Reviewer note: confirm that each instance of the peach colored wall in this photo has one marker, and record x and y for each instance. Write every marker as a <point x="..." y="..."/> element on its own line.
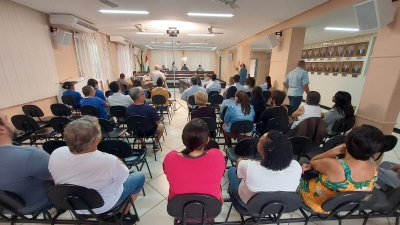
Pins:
<point x="227" y="67"/>
<point x="44" y="104"/>
<point x="263" y="65"/>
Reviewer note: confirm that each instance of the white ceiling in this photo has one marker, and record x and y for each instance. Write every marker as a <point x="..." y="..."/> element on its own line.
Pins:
<point x="252" y="17"/>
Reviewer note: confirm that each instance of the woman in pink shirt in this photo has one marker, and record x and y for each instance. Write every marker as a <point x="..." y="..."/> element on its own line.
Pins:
<point x="195" y="170"/>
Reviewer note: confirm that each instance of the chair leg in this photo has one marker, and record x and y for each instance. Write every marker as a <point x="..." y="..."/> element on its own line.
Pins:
<point x="144" y="194"/>
<point x="148" y="168"/>
<point x="229" y="212"/>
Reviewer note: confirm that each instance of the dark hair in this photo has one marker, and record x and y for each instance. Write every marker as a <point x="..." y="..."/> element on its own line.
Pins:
<point x="278" y="151"/>
<point x="133" y="73"/>
<point x="236" y="78"/>
<point x="244" y="65"/>
<point x="114" y="86"/>
<point x="137" y="83"/>
<point x="268" y="79"/>
<point x="213" y="76"/>
<point x="365" y="141"/>
<point x="343" y="104"/>
<point x="257" y="92"/>
<point x="279" y="97"/>
<point x="92" y="82"/>
<point x="194" y="135"/>
<point x="194" y="80"/>
<point x="301" y="63"/>
<point x="244" y="101"/>
<point x="251" y="82"/>
<point x="230" y="93"/>
<point x="313" y="98"/>
<point x="160" y="81"/>
<point x="198" y="81"/>
<point x="86" y="90"/>
<point x="67" y="85"/>
<point x="121" y="75"/>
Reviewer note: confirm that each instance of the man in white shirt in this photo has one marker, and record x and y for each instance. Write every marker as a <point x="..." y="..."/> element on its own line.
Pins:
<point x="213" y="85"/>
<point x="238" y="86"/>
<point x="193" y="89"/>
<point x="173" y="67"/>
<point x="80" y="163"/>
<point x="207" y="79"/>
<point x="117" y="98"/>
<point x="156" y="74"/>
<point x="199" y="68"/>
<point x="146" y="77"/>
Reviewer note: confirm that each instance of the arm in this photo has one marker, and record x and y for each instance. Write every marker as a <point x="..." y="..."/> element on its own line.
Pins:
<point x="158" y="122"/>
<point x="305" y="81"/>
<point x="298" y="112"/>
<point x="286" y="85"/>
<point x="228" y="114"/>
<point x="37" y="165"/>
<point x="306" y="88"/>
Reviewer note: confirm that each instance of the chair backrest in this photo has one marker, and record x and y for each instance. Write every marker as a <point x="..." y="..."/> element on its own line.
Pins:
<point x="11" y="201"/>
<point x="267" y="95"/>
<point x="212" y="144"/>
<point x="25" y="123"/>
<point x="280" y="124"/>
<point x="211" y="93"/>
<point x="105" y="125"/>
<point x="50" y="146"/>
<point x="301" y="146"/>
<point x="313" y="127"/>
<point x="249" y="94"/>
<point x="69" y="100"/>
<point x="290" y="110"/>
<point x="349" y="201"/>
<point x="107" y="93"/>
<point x="274" y="203"/>
<point x="191" y="100"/>
<point x="215" y="99"/>
<point x="32" y="110"/>
<point x="59" y="109"/>
<point x="73" y="197"/>
<point x="211" y="123"/>
<point x="393" y="197"/>
<point x="119" y="148"/>
<point x="140" y="125"/>
<point x="258" y="109"/>
<point x="333" y="142"/>
<point x="247" y="147"/>
<point x="58" y="123"/>
<point x="90" y="110"/>
<point x="222" y="115"/>
<point x="158" y="100"/>
<point x="242" y="127"/>
<point x="343" y="125"/>
<point x="118" y="111"/>
<point x="194" y="206"/>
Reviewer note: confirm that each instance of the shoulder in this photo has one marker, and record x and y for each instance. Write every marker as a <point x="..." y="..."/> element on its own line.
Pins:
<point x="170" y="156"/>
<point x="215" y="152"/>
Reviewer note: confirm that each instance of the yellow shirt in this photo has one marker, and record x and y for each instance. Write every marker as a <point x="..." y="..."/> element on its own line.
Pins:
<point x="161" y="91"/>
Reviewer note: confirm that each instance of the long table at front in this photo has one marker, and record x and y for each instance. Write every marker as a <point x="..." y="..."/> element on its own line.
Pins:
<point x="185" y="84"/>
<point x="178" y="75"/>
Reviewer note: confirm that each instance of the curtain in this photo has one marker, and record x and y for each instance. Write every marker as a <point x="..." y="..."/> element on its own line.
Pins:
<point x="88" y="55"/>
<point x="125" y="59"/>
<point x="27" y="65"/>
<point x="165" y="57"/>
<point x="105" y="57"/>
<point x="204" y="58"/>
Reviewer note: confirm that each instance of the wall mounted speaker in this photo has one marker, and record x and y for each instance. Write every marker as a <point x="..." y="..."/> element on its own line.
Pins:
<point x="63" y="37"/>
<point x="272" y="41"/>
<point x="374" y="14"/>
<point x="219" y="53"/>
<point x="229" y="56"/>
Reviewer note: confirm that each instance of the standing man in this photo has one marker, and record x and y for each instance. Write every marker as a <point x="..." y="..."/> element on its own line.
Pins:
<point x="297" y="82"/>
<point x="156" y="74"/>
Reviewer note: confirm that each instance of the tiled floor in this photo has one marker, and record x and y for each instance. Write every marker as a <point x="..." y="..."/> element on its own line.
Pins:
<point x="152" y="207"/>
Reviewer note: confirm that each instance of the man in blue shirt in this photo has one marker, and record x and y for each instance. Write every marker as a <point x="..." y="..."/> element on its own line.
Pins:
<point x="91" y="99"/>
<point x="98" y="93"/>
<point x="184" y="68"/>
<point x="297" y="82"/>
<point x="193" y="89"/>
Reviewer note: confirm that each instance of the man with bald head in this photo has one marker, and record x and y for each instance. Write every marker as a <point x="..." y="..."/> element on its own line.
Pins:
<point x="297" y="82"/>
<point x="156" y="74"/>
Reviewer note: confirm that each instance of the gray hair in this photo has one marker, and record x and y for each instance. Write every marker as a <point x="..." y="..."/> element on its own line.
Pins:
<point x="157" y="67"/>
<point x="81" y="133"/>
<point x="134" y="93"/>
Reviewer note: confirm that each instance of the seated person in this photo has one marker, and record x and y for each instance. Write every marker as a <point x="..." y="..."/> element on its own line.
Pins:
<point x="267" y="85"/>
<point x="203" y="110"/>
<point x="98" y="93"/>
<point x="229" y="100"/>
<point x="71" y="92"/>
<point x="134" y="76"/>
<point x="160" y="90"/>
<point x="118" y="98"/>
<point x="389" y="173"/>
<point x="199" y="171"/>
<point x="184" y="68"/>
<point x="138" y="108"/>
<point x="341" y="109"/>
<point x="236" y="80"/>
<point x="249" y="84"/>
<point x="199" y="68"/>
<point x="278" y="110"/>
<point x="23" y="170"/>
<point x="124" y="85"/>
<point x="146" y="77"/>
<point x="91" y="99"/>
<point x="229" y="83"/>
<point x="164" y="69"/>
<point x="355" y="172"/>
<point x="206" y="80"/>
<point x="257" y="99"/>
<point x="80" y="163"/>
<point x="194" y="87"/>
<point x="239" y="112"/>
<point x="213" y="85"/>
<point x="278" y="170"/>
<point x="311" y="109"/>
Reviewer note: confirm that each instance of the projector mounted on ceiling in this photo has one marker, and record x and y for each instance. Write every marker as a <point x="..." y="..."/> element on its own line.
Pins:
<point x="210" y="31"/>
<point x="231" y="3"/>
<point x="109" y="3"/>
<point x="140" y="27"/>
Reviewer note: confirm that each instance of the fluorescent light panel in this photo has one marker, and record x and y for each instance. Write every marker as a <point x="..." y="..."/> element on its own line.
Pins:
<point x="196" y="43"/>
<point x="148" y="33"/>
<point x="210" y="14"/>
<point x="204" y="35"/>
<point x="123" y="11"/>
<point x="342" y="29"/>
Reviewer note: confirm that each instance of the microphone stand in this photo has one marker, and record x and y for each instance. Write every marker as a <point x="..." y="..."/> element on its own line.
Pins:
<point x="174" y="101"/>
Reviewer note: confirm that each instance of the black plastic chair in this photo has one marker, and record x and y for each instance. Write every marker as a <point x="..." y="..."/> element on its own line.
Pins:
<point x="280" y="124"/>
<point x="290" y="110"/>
<point x="258" y="109"/>
<point x="212" y="125"/>
<point x="194" y="208"/>
<point x="119" y="112"/>
<point x="159" y="100"/>
<point x="215" y="101"/>
<point x="301" y="146"/>
<point x="266" y="95"/>
<point x="267" y="206"/>
<point x="73" y="198"/>
<point x="191" y="101"/>
<point x="212" y="144"/>
<point x="71" y="102"/>
<point x="331" y="143"/>
<point x="390" y="143"/>
<point x="107" y="93"/>
<point x="36" y="113"/>
<point x="246" y="147"/>
<point x="30" y="127"/>
<point x="141" y="127"/>
<point x="211" y="93"/>
<point x="90" y="110"/>
<point x="50" y="146"/>
<point x="108" y="131"/>
<point x="62" y="110"/>
<point x="59" y="123"/>
<point x="341" y="126"/>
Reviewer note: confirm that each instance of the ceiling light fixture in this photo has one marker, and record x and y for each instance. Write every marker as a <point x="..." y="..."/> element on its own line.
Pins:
<point x="123" y="11"/>
<point x="148" y="33"/>
<point x="204" y="35"/>
<point x="148" y="47"/>
<point x="213" y="48"/>
<point x="342" y="29"/>
<point x="196" y="43"/>
<point x="210" y="14"/>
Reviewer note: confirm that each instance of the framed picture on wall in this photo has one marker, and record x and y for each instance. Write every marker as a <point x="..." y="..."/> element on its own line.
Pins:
<point x="316" y="53"/>
<point x="313" y="67"/>
<point x="309" y="54"/>
<point x="304" y="54"/>
<point x="307" y="66"/>
<point x="339" y="51"/>
<point x="336" y="67"/>
<point x="357" y="67"/>
<point x="331" y="52"/>
<point x="322" y="52"/>
<point x="362" y="49"/>
<point x="346" y="67"/>
<point x="320" y="67"/>
<point x="350" y="50"/>
<point x="328" y="67"/>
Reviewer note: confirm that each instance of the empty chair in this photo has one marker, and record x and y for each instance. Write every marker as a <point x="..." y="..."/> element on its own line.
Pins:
<point x="90" y="110"/>
<point x="301" y="146"/>
<point x="62" y="110"/>
<point x="246" y="148"/>
<point x="71" y="101"/>
<point x="118" y="112"/>
<point x="30" y="127"/>
<point x="212" y="125"/>
<point x="35" y="112"/>
<point x="215" y="101"/>
<point x="59" y="123"/>
<point x="279" y="124"/>
<point x="108" y="131"/>
<point x="239" y="130"/>
<point x="267" y="95"/>
<point x="50" y="146"/>
<point x="192" y="102"/>
<point x="211" y="93"/>
<point x="159" y="101"/>
<point x="341" y="126"/>
<point x="331" y="143"/>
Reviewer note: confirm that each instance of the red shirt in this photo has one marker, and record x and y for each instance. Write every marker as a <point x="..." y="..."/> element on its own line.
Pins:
<point x="200" y="175"/>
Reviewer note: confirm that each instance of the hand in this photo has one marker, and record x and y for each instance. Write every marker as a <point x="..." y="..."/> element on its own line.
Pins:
<point x="306" y="167"/>
<point x="396" y="168"/>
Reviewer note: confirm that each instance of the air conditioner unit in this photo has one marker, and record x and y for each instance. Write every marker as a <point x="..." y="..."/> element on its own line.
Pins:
<point x="72" y="22"/>
<point x="120" y="40"/>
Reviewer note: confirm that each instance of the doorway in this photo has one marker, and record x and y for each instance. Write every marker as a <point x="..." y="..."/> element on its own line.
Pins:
<point x="253" y="68"/>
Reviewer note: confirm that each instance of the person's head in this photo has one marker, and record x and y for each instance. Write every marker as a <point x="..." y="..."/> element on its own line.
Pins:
<point x="173" y="63"/>
<point x="357" y="65"/>
<point x="92" y="82"/>
<point x="6" y="130"/>
<point x="82" y="135"/>
<point x="214" y="77"/>
<point x="323" y="50"/>
<point x="184" y="65"/>
<point x="276" y="150"/>
<point x="362" y="47"/>
<point x="88" y="91"/>
<point x="195" y="136"/>
<point x="301" y="64"/>
<point x="195" y="73"/>
<point x="163" y="66"/>
<point x="242" y="98"/>
<point x="278" y="97"/>
<point x="365" y="141"/>
<point x="205" y="75"/>
<point x="194" y="80"/>
<point x="200" y="98"/>
<point x="320" y="65"/>
<point x="256" y="92"/>
<point x="160" y="81"/>
<point x="137" y="83"/>
<point x="336" y="65"/>
<point x="68" y="85"/>
<point x="198" y="81"/>
<point x="340" y="48"/>
<point x="231" y="81"/>
<point x="342" y="104"/>
<point x="199" y="65"/>
<point x="331" y="49"/>
<point x="114" y="86"/>
<point x="236" y="78"/>
<point x="328" y="65"/>
<point x="122" y="76"/>
<point x="346" y="65"/>
<point x="137" y="95"/>
<point x="242" y="66"/>
<point x="251" y="82"/>
<point x="230" y="93"/>
<point x="313" y="98"/>
<point x="134" y="73"/>
<point x="157" y="67"/>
